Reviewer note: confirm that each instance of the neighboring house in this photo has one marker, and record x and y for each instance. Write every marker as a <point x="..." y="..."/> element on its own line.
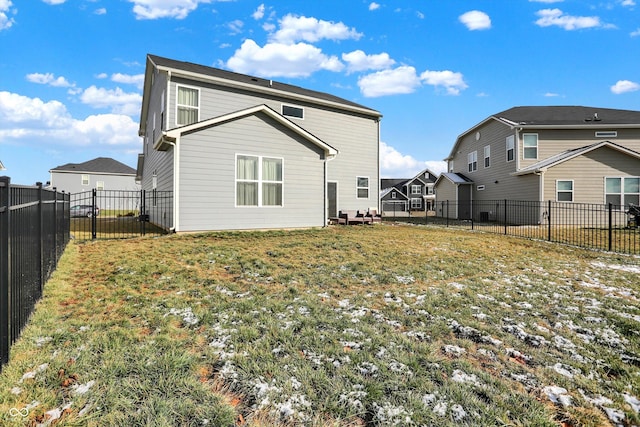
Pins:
<point x="2" y="166"/>
<point x="567" y="154"/>
<point x="410" y="194"/>
<point x="102" y="173"/>
<point x="242" y="152"/>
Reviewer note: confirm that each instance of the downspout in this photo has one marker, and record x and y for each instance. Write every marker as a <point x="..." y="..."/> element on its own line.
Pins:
<point x="327" y="159"/>
<point x="516" y="145"/>
<point x="379" y="210"/>
<point x="176" y="188"/>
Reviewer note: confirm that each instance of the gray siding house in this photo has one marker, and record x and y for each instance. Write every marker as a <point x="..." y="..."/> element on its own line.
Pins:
<point x="569" y="154"/>
<point x="102" y="173"/>
<point x="409" y="194"/>
<point x="242" y="152"/>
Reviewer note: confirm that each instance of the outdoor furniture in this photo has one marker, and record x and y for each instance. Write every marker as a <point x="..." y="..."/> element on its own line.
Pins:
<point x="374" y="215"/>
<point x="349" y="217"/>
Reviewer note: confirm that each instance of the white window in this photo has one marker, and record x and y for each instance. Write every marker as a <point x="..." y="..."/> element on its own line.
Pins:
<point x="511" y="148"/>
<point x="362" y="187"/>
<point x="416" y="203"/>
<point x="472" y="160"/>
<point x="621" y="191"/>
<point x="293" y="111"/>
<point x="487" y="156"/>
<point x="187" y="105"/>
<point x="607" y="134"/>
<point x="564" y="190"/>
<point x="416" y="189"/>
<point x="85" y="179"/>
<point x="393" y="194"/>
<point x="451" y="166"/>
<point x="480" y="187"/>
<point x="100" y="185"/>
<point x="259" y="181"/>
<point x="530" y="142"/>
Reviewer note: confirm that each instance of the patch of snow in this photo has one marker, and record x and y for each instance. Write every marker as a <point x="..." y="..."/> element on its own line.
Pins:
<point x="557" y="395"/>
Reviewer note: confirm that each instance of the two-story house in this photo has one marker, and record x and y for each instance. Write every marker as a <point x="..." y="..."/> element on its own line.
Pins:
<point x="101" y="173"/>
<point x="408" y="194"/>
<point x="242" y="152"/>
<point x="569" y="154"/>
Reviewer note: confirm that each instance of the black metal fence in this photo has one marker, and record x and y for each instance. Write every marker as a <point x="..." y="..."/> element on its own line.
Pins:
<point x="34" y="231"/>
<point x="112" y="214"/>
<point x="595" y="226"/>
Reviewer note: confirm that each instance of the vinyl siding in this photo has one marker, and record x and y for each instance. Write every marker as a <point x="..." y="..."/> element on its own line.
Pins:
<point x="588" y="173"/>
<point x="207" y="177"/>
<point x="72" y="182"/>
<point x="494" y="134"/>
<point x="355" y="136"/>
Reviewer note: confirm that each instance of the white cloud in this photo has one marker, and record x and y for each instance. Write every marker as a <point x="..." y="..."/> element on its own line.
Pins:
<point x="404" y="80"/>
<point x="635" y="33"/>
<point x="116" y="99"/>
<point x="281" y="60"/>
<point x="555" y="17"/>
<point x="401" y="80"/>
<point x="374" y="6"/>
<point x="359" y="61"/>
<point x="420" y="15"/>
<point x="452" y="82"/>
<point x="235" y="26"/>
<point x="37" y="122"/>
<point x="300" y="28"/>
<point x="259" y="12"/>
<point x="546" y="1"/>
<point x="394" y="164"/>
<point x="155" y="9"/>
<point x="101" y="11"/>
<point x="625" y="86"/>
<point x="551" y="95"/>
<point x="476" y="20"/>
<point x="5" y="21"/>
<point x="54" y="2"/>
<point x="628" y="3"/>
<point x="137" y="79"/>
<point x="48" y="79"/>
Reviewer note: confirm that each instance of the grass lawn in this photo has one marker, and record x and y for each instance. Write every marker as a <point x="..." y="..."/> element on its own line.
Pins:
<point x="346" y="326"/>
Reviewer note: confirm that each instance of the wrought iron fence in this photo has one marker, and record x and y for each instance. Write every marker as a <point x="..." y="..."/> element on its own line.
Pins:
<point x="595" y="226"/>
<point x="109" y="214"/>
<point x="34" y="231"/>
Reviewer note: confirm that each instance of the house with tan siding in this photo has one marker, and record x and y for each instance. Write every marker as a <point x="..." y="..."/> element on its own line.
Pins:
<point x="566" y="154"/>
<point x="243" y="152"/>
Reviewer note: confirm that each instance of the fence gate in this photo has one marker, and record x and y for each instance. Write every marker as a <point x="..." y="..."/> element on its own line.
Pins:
<point x="112" y="214"/>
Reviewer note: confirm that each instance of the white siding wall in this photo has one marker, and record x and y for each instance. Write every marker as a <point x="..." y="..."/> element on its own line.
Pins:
<point x="72" y="182"/>
<point x="207" y="177"/>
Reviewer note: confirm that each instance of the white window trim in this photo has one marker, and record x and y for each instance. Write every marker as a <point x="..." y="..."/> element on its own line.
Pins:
<point x="178" y="86"/>
<point x="487" y="156"/>
<point x="622" y="193"/>
<point x="480" y="187"/>
<point x="85" y="179"/>
<point x="292" y="106"/>
<point x="416" y="203"/>
<point x="99" y="185"/>
<point x="260" y="181"/>
<point x="510" y="146"/>
<point x="607" y="134"/>
<point x="573" y="189"/>
<point x="393" y="194"/>
<point x="413" y="189"/>
<point x="472" y="161"/>
<point x="368" y="187"/>
<point x="524" y="148"/>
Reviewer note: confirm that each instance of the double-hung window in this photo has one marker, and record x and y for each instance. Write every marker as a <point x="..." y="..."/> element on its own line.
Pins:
<point x="472" y="161"/>
<point x="511" y="148"/>
<point x="620" y="191"/>
<point x="187" y="105"/>
<point x="564" y="191"/>
<point x="416" y="203"/>
<point x="85" y="179"/>
<point x="259" y="181"/>
<point x="416" y="189"/>
<point x="362" y="187"/>
<point x="530" y="143"/>
<point x="487" y="156"/>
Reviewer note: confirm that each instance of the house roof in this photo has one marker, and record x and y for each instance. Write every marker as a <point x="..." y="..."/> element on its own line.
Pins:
<point x="558" y="117"/>
<point x="173" y="134"/>
<point x="567" y="116"/>
<point x="570" y="154"/>
<point x="386" y="191"/>
<point x="255" y="84"/>
<point x="456" y="178"/>
<point x="100" y="165"/>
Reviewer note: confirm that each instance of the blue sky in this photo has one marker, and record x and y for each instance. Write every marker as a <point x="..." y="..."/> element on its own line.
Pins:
<point x="71" y="71"/>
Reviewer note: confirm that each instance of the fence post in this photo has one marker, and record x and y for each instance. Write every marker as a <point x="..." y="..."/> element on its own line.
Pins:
<point x="55" y="226"/>
<point x="505" y="217"/>
<point x="610" y="225"/>
<point x="94" y="220"/>
<point x="447" y="212"/>
<point x="40" y="237"/>
<point x="143" y="211"/>
<point x="5" y="267"/>
<point x="549" y="220"/>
